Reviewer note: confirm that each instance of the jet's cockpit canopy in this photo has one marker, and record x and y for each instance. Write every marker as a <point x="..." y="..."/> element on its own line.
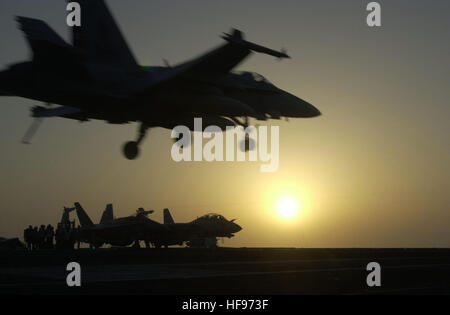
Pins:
<point x="143" y="212"/>
<point x="253" y="76"/>
<point x="213" y="217"/>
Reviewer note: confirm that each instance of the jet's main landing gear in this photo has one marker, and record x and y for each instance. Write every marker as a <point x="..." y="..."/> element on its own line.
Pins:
<point x="248" y="144"/>
<point x="131" y="148"/>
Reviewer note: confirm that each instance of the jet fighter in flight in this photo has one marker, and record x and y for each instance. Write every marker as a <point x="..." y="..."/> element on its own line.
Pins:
<point x="97" y="77"/>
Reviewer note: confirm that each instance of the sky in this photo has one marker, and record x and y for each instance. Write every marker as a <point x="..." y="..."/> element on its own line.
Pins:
<point x="372" y="171"/>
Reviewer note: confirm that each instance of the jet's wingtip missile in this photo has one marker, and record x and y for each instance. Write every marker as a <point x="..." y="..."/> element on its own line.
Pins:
<point x="283" y="54"/>
<point x="236" y="37"/>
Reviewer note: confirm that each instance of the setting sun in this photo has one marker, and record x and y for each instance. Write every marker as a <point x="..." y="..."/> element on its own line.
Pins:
<point x="287" y="208"/>
<point x="287" y="201"/>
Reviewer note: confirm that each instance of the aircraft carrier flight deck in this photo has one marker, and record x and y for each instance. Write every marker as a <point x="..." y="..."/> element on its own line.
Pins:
<point x="226" y="271"/>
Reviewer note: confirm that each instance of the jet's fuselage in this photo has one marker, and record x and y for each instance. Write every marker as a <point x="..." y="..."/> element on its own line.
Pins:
<point x="111" y="90"/>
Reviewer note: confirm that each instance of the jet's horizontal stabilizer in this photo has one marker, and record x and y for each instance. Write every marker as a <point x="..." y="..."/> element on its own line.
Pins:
<point x="61" y="111"/>
<point x="236" y="37"/>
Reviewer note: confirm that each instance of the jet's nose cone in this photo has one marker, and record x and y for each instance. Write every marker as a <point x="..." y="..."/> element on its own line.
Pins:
<point x="300" y="108"/>
<point x="312" y="111"/>
<point x="236" y="228"/>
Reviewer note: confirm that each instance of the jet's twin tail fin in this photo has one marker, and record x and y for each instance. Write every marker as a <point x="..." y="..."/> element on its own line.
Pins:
<point x="107" y="215"/>
<point x="84" y="219"/>
<point x="99" y="36"/>
<point x="168" y="217"/>
<point x="45" y="43"/>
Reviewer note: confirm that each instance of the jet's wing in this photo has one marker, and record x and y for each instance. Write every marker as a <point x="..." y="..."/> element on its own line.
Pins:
<point x="99" y="37"/>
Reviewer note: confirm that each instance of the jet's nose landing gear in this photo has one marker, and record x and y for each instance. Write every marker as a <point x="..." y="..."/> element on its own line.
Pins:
<point x="131" y="148"/>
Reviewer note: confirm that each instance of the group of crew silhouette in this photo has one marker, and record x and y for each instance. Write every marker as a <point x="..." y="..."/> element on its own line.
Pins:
<point x="65" y="236"/>
<point x="39" y="238"/>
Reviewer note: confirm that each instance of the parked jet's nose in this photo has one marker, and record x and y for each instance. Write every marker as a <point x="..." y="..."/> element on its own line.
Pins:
<point x="236" y="227"/>
<point x="293" y="106"/>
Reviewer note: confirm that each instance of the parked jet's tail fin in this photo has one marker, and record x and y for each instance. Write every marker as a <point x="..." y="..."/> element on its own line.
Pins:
<point x="84" y="219"/>
<point x="108" y="214"/>
<point x="45" y="43"/>
<point x="168" y="217"/>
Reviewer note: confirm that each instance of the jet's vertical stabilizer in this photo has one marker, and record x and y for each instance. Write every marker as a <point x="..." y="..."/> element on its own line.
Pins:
<point x="168" y="217"/>
<point x="45" y="43"/>
<point x="107" y="215"/>
<point x="84" y="219"/>
<point x="99" y="37"/>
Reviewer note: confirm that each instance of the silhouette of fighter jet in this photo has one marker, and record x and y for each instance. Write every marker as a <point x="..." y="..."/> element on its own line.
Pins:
<point x="117" y="232"/>
<point x="97" y="77"/>
<point x="205" y="227"/>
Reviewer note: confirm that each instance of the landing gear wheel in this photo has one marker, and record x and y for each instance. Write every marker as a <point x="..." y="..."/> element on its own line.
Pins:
<point x="131" y="150"/>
